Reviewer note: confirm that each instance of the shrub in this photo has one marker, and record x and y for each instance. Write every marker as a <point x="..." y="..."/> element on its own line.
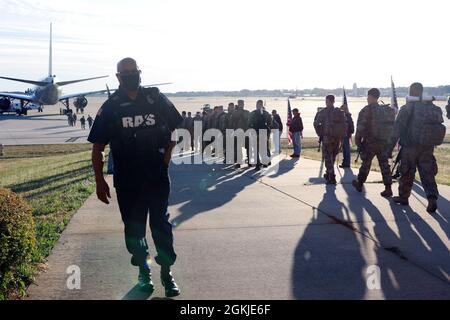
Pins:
<point x="17" y="244"/>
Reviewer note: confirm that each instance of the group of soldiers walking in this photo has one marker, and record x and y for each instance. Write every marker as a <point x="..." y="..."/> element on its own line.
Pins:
<point x="72" y="120"/>
<point x="416" y="130"/>
<point x="235" y="118"/>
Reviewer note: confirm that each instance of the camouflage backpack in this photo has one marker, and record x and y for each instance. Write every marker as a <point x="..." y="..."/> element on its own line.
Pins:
<point x="382" y="120"/>
<point x="336" y="125"/>
<point x="426" y="127"/>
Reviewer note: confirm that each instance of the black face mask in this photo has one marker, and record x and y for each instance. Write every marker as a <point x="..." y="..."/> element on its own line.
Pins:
<point x="131" y="82"/>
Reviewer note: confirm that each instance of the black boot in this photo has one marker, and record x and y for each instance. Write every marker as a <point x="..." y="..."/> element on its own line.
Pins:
<point x="432" y="205"/>
<point x="387" y="193"/>
<point x="331" y="179"/>
<point x="358" y="186"/>
<point x="401" y="201"/>
<point x="169" y="284"/>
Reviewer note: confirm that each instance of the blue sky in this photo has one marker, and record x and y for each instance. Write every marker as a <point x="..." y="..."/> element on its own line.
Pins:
<point x="229" y="45"/>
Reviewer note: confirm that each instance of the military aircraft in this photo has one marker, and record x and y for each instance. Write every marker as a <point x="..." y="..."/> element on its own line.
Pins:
<point x="47" y="91"/>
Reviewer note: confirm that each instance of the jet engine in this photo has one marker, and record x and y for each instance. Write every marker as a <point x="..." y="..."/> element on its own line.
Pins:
<point x="80" y="103"/>
<point x="5" y="104"/>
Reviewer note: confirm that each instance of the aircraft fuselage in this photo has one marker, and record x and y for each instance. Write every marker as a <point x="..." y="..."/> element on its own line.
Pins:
<point x="49" y="94"/>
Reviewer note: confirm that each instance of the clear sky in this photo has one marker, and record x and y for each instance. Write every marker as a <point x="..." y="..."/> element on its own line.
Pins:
<point x="229" y="45"/>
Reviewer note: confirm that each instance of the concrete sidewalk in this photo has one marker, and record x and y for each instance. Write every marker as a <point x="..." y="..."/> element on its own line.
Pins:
<point x="241" y="235"/>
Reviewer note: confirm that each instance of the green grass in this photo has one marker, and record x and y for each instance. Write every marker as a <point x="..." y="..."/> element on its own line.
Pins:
<point x="442" y="154"/>
<point x="55" y="179"/>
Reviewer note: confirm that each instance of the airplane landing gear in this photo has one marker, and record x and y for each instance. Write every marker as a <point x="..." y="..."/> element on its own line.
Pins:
<point x="23" y="110"/>
<point x="65" y="102"/>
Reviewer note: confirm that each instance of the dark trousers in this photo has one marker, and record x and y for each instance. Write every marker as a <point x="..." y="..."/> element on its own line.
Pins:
<point x="151" y="200"/>
<point x="346" y="152"/>
<point x="259" y="153"/>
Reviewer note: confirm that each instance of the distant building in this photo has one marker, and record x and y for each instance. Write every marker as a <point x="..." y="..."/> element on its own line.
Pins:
<point x="355" y="90"/>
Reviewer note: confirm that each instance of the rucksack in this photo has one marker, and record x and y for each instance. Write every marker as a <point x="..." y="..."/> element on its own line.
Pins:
<point x="426" y="127"/>
<point x="382" y="120"/>
<point x="336" y="124"/>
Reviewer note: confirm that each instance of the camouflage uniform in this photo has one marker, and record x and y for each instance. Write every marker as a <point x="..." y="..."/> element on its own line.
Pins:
<point x="239" y="120"/>
<point x="371" y="147"/>
<point x="330" y="145"/>
<point x="415" y="156"/>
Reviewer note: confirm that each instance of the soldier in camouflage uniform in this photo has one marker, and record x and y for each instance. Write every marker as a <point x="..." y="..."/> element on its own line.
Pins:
<point x="239" y="120"/>
<point x="415" y="156"/>
<point x="330" y="145"/>
<point x="370" y="146"/>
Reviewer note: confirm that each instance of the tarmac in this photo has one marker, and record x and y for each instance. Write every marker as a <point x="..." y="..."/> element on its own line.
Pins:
<point x="48" y="127"/>
<point x="240" y="234"/>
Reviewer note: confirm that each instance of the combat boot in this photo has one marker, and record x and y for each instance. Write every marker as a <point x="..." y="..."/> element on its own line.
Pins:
<point x="170" y="287"/>
<point x="387" y="193"/>
<point x="401" y="201"/>
<point x="432" y="205"/>
<point x="145" y="282"/>
<point x="358" y="186"/>
<point x="331" y="179"/>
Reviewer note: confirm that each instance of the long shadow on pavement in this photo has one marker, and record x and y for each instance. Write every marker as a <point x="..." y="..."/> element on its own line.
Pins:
<point x="328" y="263"/>
<point x="203" y="188"/>
<point x="396" y="281"/>
<point x="136" y="294"/>
<point x="442" y="216"/>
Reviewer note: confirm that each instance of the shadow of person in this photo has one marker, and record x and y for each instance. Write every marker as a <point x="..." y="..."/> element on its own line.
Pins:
<point x="327" y="262"/>
<point x="397" y="253"/>
<point x="284" y="166"/>
<point x="320" y="179"/>
<point x="202" y="188"/>
<point x="442" y="215"/>
<point x="136" y="294"/>
<point x="423" y="248"/>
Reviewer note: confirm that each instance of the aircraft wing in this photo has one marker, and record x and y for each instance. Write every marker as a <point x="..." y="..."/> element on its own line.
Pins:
<point x="144" y="86"/>
<point x="157" y="84"/>
<point x="148" y="85"/>
<point x="81" y="94"/>
<point x="19" y="96"/>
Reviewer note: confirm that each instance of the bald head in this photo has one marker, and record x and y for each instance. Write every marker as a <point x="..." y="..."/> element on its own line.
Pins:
<point x="126" y="64"/>
<point x="416" y="89"/>
<point x="129" y="75"/>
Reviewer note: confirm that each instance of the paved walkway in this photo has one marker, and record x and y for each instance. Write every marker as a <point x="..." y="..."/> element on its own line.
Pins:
<point x="240" y="235"/>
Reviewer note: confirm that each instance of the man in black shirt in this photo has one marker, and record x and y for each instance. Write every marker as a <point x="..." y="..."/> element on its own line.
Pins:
<point x="137" y="122"/>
